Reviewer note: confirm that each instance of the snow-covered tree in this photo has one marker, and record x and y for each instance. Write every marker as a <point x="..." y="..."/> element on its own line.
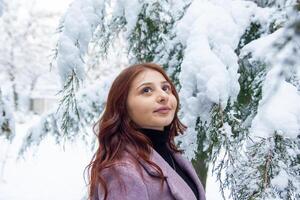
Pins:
<point x="7" y="125"/>
<point x="7" y="131"/>
<point x="235" y="64"/>
<point x="1" y="7"/>
<point x="25" y="49"/>
<point x="261" y="158"/>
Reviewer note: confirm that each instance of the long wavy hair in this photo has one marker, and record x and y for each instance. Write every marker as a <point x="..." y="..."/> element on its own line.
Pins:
<point x="115" y="130"/>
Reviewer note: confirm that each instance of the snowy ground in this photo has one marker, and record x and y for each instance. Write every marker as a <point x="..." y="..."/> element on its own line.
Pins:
<point x="51" y="173"/>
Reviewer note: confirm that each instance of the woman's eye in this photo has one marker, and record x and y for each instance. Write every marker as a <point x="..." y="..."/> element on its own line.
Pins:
<point x="166" y="88"/>
<point x="146" y="90"/>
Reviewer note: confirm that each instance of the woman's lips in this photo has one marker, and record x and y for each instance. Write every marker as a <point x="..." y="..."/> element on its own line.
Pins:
<point x="163" y="111"/>
<point x="162" y="108"/>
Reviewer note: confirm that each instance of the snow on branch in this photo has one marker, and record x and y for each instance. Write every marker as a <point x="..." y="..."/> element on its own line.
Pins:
<point x="280" y="51"/>
<point x="90" y="103"/>
<point x="76" y="30"/>
<point x="211" y="31"/>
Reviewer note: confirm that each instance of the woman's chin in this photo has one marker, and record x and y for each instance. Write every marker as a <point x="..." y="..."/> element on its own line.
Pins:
<point x="163" y="124"/>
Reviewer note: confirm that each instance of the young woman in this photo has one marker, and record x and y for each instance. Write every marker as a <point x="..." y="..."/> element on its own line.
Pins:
<point x="137" y="158"/>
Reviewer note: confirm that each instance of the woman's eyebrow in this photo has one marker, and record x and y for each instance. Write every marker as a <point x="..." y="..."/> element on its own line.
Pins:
<point x="150" y="83"/>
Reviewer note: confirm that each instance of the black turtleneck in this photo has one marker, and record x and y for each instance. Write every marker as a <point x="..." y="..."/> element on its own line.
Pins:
<point x="159" y="140"/>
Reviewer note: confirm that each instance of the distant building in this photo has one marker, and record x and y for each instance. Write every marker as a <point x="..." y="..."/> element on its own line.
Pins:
<point x="44" y="97"/>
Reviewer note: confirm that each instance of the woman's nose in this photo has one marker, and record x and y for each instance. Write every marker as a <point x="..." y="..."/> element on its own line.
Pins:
<point x="162" y="96"/>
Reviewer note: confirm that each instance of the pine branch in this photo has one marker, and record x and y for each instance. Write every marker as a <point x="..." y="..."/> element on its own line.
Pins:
<point x="68" y="103"/>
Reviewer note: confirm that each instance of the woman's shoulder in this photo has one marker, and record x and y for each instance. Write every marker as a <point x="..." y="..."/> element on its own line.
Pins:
<point x="123" y="181"/>
<point x="123" y="169"/>
<point x="126" y="163"/>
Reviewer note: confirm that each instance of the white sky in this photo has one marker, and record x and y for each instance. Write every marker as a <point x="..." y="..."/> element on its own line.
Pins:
<point x="54" y="5"/>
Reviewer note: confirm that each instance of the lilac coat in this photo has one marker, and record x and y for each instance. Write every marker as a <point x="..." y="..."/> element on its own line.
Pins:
<point x="175" y="188"/>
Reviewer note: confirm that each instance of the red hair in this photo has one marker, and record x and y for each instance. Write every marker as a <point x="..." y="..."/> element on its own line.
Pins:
<point x="116" y="130"/>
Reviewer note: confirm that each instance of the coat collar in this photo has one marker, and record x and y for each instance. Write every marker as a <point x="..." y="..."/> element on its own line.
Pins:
<point x="178" y="187"/>
<point x="188" y="167"/>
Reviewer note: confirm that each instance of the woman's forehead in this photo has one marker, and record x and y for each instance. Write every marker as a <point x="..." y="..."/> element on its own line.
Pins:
<point x="148" y="76"/>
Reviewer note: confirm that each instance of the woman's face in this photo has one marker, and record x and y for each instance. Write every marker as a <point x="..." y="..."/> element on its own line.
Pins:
<point x="148" y="92"/>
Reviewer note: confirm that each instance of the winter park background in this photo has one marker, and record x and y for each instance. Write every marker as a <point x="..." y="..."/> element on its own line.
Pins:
<point x="235" y="63"/>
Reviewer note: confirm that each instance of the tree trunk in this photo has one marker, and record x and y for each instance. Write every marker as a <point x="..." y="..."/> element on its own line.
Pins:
<point x="201" y="168"/>
<point x="14" y="89"/>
